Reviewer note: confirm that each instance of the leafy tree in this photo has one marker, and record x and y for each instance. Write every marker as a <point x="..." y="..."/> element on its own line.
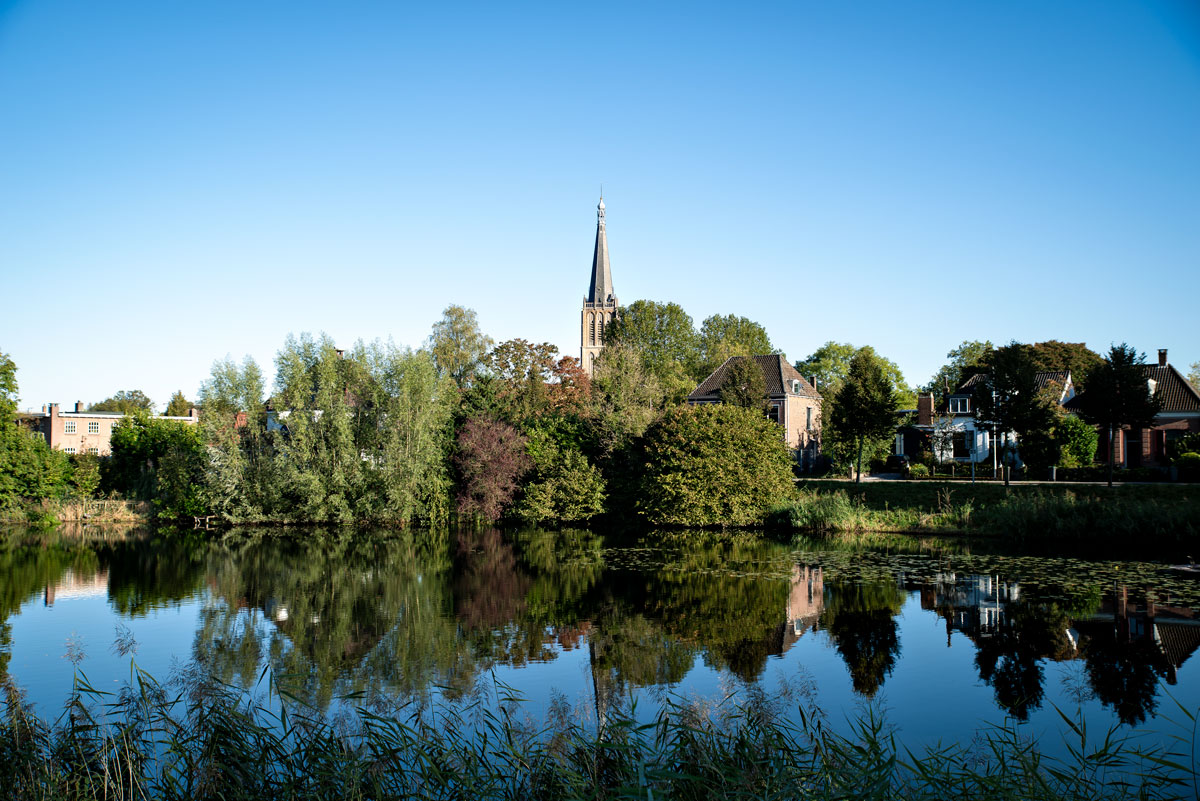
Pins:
<point x="1010" y="398"/>
<point x="1193" y="376"/>
<point x="626" y="397"/>
<point x="570" y="388"/>
<point x="724" y="336"/>
<point x="863" y="410"/>
<point x="1077" y="442"/>
<point x="830" y="364"/>
<point x="965" y="360"/>
<point x="491" y="459"/>
<point x="158" y="460"/>
<point x="125" y="402"/>
<point x="744" y="385"/>
<point x="663" y="335"/>
<point x="564" y="487"/>
<point x="1077" y="357"/>
<point x="712" y="465"/>
<point x="458" y="345"/>
<point x="85" y="474"/>
<point x="231" y="389"/>
<point x="522" y="371"/>
<point x="178" y="406"/>
<point x="28" y="467"/>
<point x="1117" y="395"/>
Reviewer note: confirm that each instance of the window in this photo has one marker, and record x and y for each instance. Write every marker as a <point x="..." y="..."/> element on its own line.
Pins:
<point x="70" y="426"/>
<point x="773" y="413"/>
<point x="94" y="451"/>
<point x="960" y="405"/>
<point x="962" y="444"/>
<point x="593" y="329"/>
<point x="795" y="387"/>
<point x="69" y="450"/>
<point x="93" y="428"/>
<point x="808" y="419"/>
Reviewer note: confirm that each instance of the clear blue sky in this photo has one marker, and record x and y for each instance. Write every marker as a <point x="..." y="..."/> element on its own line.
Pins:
<point x="182" y="181"/>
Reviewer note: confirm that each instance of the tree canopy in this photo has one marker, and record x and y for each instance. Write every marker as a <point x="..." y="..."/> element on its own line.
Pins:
<point x="663" y="336"/>
<point x="863" y="410"/>
<point x="744" y="385"/>
<point x="458" y="345"/>
<point x="722" y="336"/>
<point x="178" y="406"/>
<point x="970" y="354"/>
<point x="1010" y="398"/>
<point x="125" y="402"/>
<point x="1118" y="394"/>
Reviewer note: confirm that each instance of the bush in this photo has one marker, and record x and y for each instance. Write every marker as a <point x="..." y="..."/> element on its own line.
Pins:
<point x="1189" y="466"/>
<point x="712" y="465"/>
<point x="1077" y="442"/>
<point x="918" y="471"/>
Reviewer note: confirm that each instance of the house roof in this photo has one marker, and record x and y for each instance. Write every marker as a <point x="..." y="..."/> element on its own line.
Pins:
<point x="1042" y="380"/>
<point x="777" y="372"/>
<point x="1171" y="388"/>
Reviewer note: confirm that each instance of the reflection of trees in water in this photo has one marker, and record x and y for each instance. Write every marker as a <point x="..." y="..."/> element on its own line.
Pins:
<point x="1124" y="673"/>
<point x="1009" y="659"/>
<point x="860" y="619"/>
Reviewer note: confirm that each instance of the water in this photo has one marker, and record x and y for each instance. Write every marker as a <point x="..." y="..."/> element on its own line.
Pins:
<point x="942" y="639"/>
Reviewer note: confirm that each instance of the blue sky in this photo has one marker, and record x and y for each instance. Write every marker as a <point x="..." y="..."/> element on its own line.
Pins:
<point x="182" y="181"/>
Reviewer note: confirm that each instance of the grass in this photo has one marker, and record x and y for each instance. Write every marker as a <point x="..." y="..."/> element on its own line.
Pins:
<point x="52" y="511"/>
<point x="1163" y="513"/>
<point x="198" y="739"/>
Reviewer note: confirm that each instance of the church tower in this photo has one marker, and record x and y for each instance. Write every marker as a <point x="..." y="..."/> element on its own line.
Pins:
<point x="600" y="305"/>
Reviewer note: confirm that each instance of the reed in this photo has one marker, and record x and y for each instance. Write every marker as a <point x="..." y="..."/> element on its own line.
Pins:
<point x="201" y="740"/>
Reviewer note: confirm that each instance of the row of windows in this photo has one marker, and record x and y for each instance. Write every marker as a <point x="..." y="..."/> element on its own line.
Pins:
<point x="960" y="405"/>
<point x="598" y="329"/>
<point x="92" y="451"/>
<point x="93" y="427"/>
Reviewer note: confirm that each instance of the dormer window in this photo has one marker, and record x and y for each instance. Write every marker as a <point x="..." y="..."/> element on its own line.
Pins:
<point x="795" y="387"/>
<point x="960" y="405"/>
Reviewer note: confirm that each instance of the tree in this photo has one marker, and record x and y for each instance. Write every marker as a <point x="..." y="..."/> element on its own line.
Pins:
<point x="712" y="465"/>
<point x="565" y="487"/>
<point x="744" y="385"/>
<point x="491" y="459"/>
<point x="522" y="371"/>
<point x="178" y="406"/>
<point x="1194" y="375"/>
<point x="28" y="467"/>
<point x="724" y="336"/>
<point x="864" y="408"/>
<point x="970" y="354"/>
<point x="125" y="402"/>
<point x="1052" y="355"/>
<point x="458" y="345"/>
<point x="626" y="397"/>
<point x="158" y="460"/>
<point x="231" y="389"/>
<point x="1011" y="399"/>
<point x="1118" y="395"/>
<point x="663" y="335"/>
<point x="830" y="364"/>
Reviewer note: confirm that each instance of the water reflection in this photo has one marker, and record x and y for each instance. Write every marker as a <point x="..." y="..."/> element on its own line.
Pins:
<point x="403" y="615"/>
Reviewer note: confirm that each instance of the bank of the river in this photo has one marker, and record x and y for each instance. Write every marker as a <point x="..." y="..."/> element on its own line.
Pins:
<point x="1167" y="513"/>
<point x="51" y="512"/>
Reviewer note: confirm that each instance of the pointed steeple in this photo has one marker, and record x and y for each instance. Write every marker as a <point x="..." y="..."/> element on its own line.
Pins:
<point x="601" y="289"/>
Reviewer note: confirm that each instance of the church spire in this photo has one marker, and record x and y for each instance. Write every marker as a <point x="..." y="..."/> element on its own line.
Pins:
<point x="601" y="288"/>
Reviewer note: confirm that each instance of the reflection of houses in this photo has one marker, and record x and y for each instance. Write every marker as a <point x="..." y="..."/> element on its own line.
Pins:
<point x="1174" y="630"/>
<point x="971" y="604"/>
<point x="807" y="598"/>
<point x="72" y="586"/>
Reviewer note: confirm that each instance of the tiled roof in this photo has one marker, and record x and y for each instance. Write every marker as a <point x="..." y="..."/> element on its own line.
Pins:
<point x="1171" y="388"/>
<point x="1043" y="380"/>
<point x="776" y="370"/>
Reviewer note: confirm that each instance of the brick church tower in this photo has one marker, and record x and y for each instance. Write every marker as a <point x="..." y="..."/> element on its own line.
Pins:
<point x="600" y="305"/>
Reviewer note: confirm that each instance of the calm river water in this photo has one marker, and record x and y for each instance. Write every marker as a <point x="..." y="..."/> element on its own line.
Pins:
<point x="942" y="639"/>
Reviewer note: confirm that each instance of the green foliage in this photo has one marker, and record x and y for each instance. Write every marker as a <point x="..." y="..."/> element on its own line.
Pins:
<point x="178" y="406"/>
<point x="626" y="397"/>
<point x="125" y="402"/>
<point x="918" y="471"/>
<point x="522" y="371"/>
<point x="663" y="336"/>
<point x="862" y="414"/>
<point x="1117" y="394"/>
<point x="830" y="363"/>
<point x="1011" y="399"/>
<point x="966" y="359"/>
<point x="231" y="389"/>
<point x="1077" y="442"/>
<point x="158" y="460"/>
<point x="1193" y="375"/>
<point x="1052" y="355"/>
<point x="712" y="465"/>
<point x="85" y="474"/>
<point x="724" y="336"/>
<point x="458" y="345"/>
<point x="744" y="385"/>
<point x="1188" y="443"/>
<point x="565" y="488"/>
<point x="29" y="469"/>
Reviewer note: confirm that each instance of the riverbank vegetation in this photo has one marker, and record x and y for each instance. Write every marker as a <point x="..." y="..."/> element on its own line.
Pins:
<point x="198" y="738"/>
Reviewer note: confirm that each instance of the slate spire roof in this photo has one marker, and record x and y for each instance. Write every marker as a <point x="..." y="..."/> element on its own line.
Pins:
<point x="601" y="289"/>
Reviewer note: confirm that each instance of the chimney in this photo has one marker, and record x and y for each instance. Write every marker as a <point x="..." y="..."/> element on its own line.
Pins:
<point x="193" y="412"/>
<point x="78" y="406"/>
<point x="341" y="352"/>
<point x="925" y="409"/>
<point x="814" y="380"/>
<point x="1162" y="357"/>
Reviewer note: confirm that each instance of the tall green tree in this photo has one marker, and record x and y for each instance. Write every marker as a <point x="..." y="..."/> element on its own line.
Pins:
<point x="231" y="388"/>
<point x="864" y="407"/>
<point x="28" y="467"/>
<point x="1194" y="375"/>
<point x="665" y="338"/>
<point x="1052" y="355"/>
<point x="744" y="385"/>
<point x="522" y="371"/>
<point x="964" y="360"/>
<point x="458" y="345"/>
<point x="830" y="364"/>
<point x="723" y="336"/>
<point x="158" y="460"/>
<point x="626" y="397"/>
<point x="1118" y="395"/>
<point x="178" y="406"/>
<point x="125" y="402"/>
<point x="1011" y="399"/>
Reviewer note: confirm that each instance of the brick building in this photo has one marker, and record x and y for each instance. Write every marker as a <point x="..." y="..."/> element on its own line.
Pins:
<point x="83" y="432"/>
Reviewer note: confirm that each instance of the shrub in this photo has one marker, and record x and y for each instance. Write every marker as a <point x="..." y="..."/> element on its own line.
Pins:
<point x="491" y="460"/>
<point x="918" y="471"/>
<point x="712" y="465"/>
<point x="1077" y="442"/>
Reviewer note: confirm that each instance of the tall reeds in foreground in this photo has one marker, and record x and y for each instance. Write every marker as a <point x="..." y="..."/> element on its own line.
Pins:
<point x="197" y="739"/>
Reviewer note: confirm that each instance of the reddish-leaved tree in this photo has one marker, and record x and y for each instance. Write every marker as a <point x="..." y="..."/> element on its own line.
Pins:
<point x="491" y="459"/>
